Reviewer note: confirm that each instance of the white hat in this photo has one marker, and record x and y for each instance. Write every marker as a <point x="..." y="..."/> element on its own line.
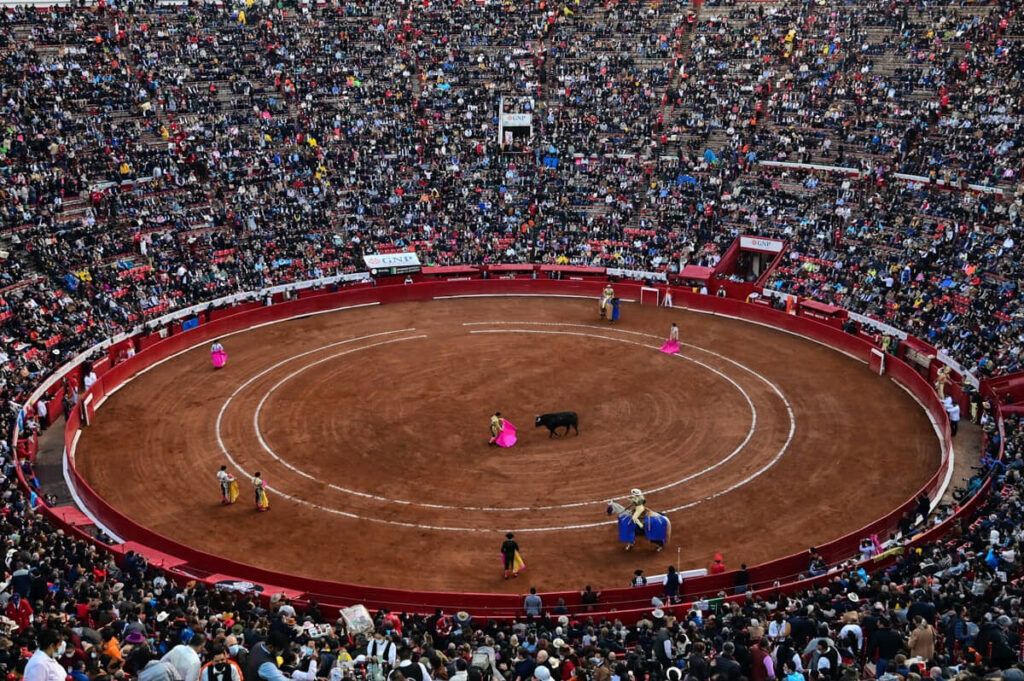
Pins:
<point x="542" y="674"/>
<point x="657" y="613"/>
<point x="635" y="491"/>
<point x="558" y="643"/>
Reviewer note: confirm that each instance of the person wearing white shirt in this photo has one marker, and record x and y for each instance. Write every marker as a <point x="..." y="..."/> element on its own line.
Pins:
<point x="42" y="411"/>
<point x="382" y="650"/>
<point x="308" y="675"/>
<point x="224" y="479"/>
<point x="953" y="409"/>
<point x="853" y="628"/>
<point x="43" y="665"/>
<point x="778" y="628"/>
<point x="185" y="658"/>
<point x="410" y="669"/>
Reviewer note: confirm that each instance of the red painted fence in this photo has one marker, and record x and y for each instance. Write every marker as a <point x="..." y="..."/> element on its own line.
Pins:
<point x="184" y="562"/>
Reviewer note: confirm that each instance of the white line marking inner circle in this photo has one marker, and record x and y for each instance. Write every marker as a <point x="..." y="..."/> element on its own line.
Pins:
<point x="304" y="502"/>
<point x="498" y="509"/>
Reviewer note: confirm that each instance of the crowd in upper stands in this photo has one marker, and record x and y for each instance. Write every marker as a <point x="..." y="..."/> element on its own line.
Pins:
<point x="154" y="155"/>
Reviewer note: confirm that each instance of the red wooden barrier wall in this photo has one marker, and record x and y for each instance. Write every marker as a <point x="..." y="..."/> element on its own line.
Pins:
<point x="628" y="603"/>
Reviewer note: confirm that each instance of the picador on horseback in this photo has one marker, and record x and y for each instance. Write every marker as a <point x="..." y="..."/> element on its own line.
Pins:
<point x="635" y="518"/>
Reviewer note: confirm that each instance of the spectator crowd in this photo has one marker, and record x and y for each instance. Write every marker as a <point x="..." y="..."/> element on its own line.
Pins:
<point x="947" y="610"/>
<point x="157" y="155"/>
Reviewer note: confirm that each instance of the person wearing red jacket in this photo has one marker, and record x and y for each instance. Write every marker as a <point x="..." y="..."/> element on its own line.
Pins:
<point x="393" y="622"/>
<point x="19" y="610"/>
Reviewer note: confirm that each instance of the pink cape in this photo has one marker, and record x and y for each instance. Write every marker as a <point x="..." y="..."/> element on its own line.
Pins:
<point x="670" y="347"/>
<point x="219" y="358"/>
<point x="507" y="436"/>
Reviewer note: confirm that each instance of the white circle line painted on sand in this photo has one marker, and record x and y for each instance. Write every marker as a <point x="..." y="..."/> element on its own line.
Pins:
<point x="256" y="414"/>
<point x="567" y="527"/>
<point x="252" y="379"/>
<point x="303" y="502"/>
<point x="500" y="509"/>
<point x="775" y="389"/>
<point x="772" y="462"/>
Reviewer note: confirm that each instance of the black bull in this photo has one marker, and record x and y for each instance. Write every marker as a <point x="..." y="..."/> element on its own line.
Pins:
<point x="561" y="419"/>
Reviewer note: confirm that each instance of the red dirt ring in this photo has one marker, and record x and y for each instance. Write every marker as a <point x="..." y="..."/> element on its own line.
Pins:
<point x="370" y="426"/>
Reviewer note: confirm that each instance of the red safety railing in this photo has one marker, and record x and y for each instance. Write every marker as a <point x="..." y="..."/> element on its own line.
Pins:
<point x="183" y="562"/>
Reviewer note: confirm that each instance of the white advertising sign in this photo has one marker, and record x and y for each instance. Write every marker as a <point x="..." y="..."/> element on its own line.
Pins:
<point x="757" y="243"/>
<point x="878" y="326"/>
<point x="386" y="260"/>
<point x="635" y="274"/>
<point x="516" y="120"/>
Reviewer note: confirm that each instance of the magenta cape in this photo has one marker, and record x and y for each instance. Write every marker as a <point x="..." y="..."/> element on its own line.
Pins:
<point x="507" y="436"/>
<point x="219" y="358"/>
<point x="670" y="347"/>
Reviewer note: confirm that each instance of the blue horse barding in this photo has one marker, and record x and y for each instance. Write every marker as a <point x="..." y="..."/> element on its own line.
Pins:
<point x="656" y="527"/>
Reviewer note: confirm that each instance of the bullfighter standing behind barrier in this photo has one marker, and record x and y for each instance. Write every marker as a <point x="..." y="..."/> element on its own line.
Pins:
<point x="942" y="380"/>
<point x="606" y="300"/>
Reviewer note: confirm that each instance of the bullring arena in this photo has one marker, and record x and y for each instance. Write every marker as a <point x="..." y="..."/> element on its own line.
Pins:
<point x="370" y="420"/>
<point x="292" y="292"/>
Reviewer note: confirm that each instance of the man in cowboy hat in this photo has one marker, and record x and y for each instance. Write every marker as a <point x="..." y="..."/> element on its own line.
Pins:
<point x="463" y="619"/>
<point x="509" y="549"/>
<point x="606" y="298"/>
<point x="638" y="506"/>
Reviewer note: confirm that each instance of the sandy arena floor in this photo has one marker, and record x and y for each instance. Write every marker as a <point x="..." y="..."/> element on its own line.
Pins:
<point x="371" y="426"/>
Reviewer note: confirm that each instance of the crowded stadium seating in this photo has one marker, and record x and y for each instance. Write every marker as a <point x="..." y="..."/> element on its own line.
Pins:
<point x="157" y="155"/>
